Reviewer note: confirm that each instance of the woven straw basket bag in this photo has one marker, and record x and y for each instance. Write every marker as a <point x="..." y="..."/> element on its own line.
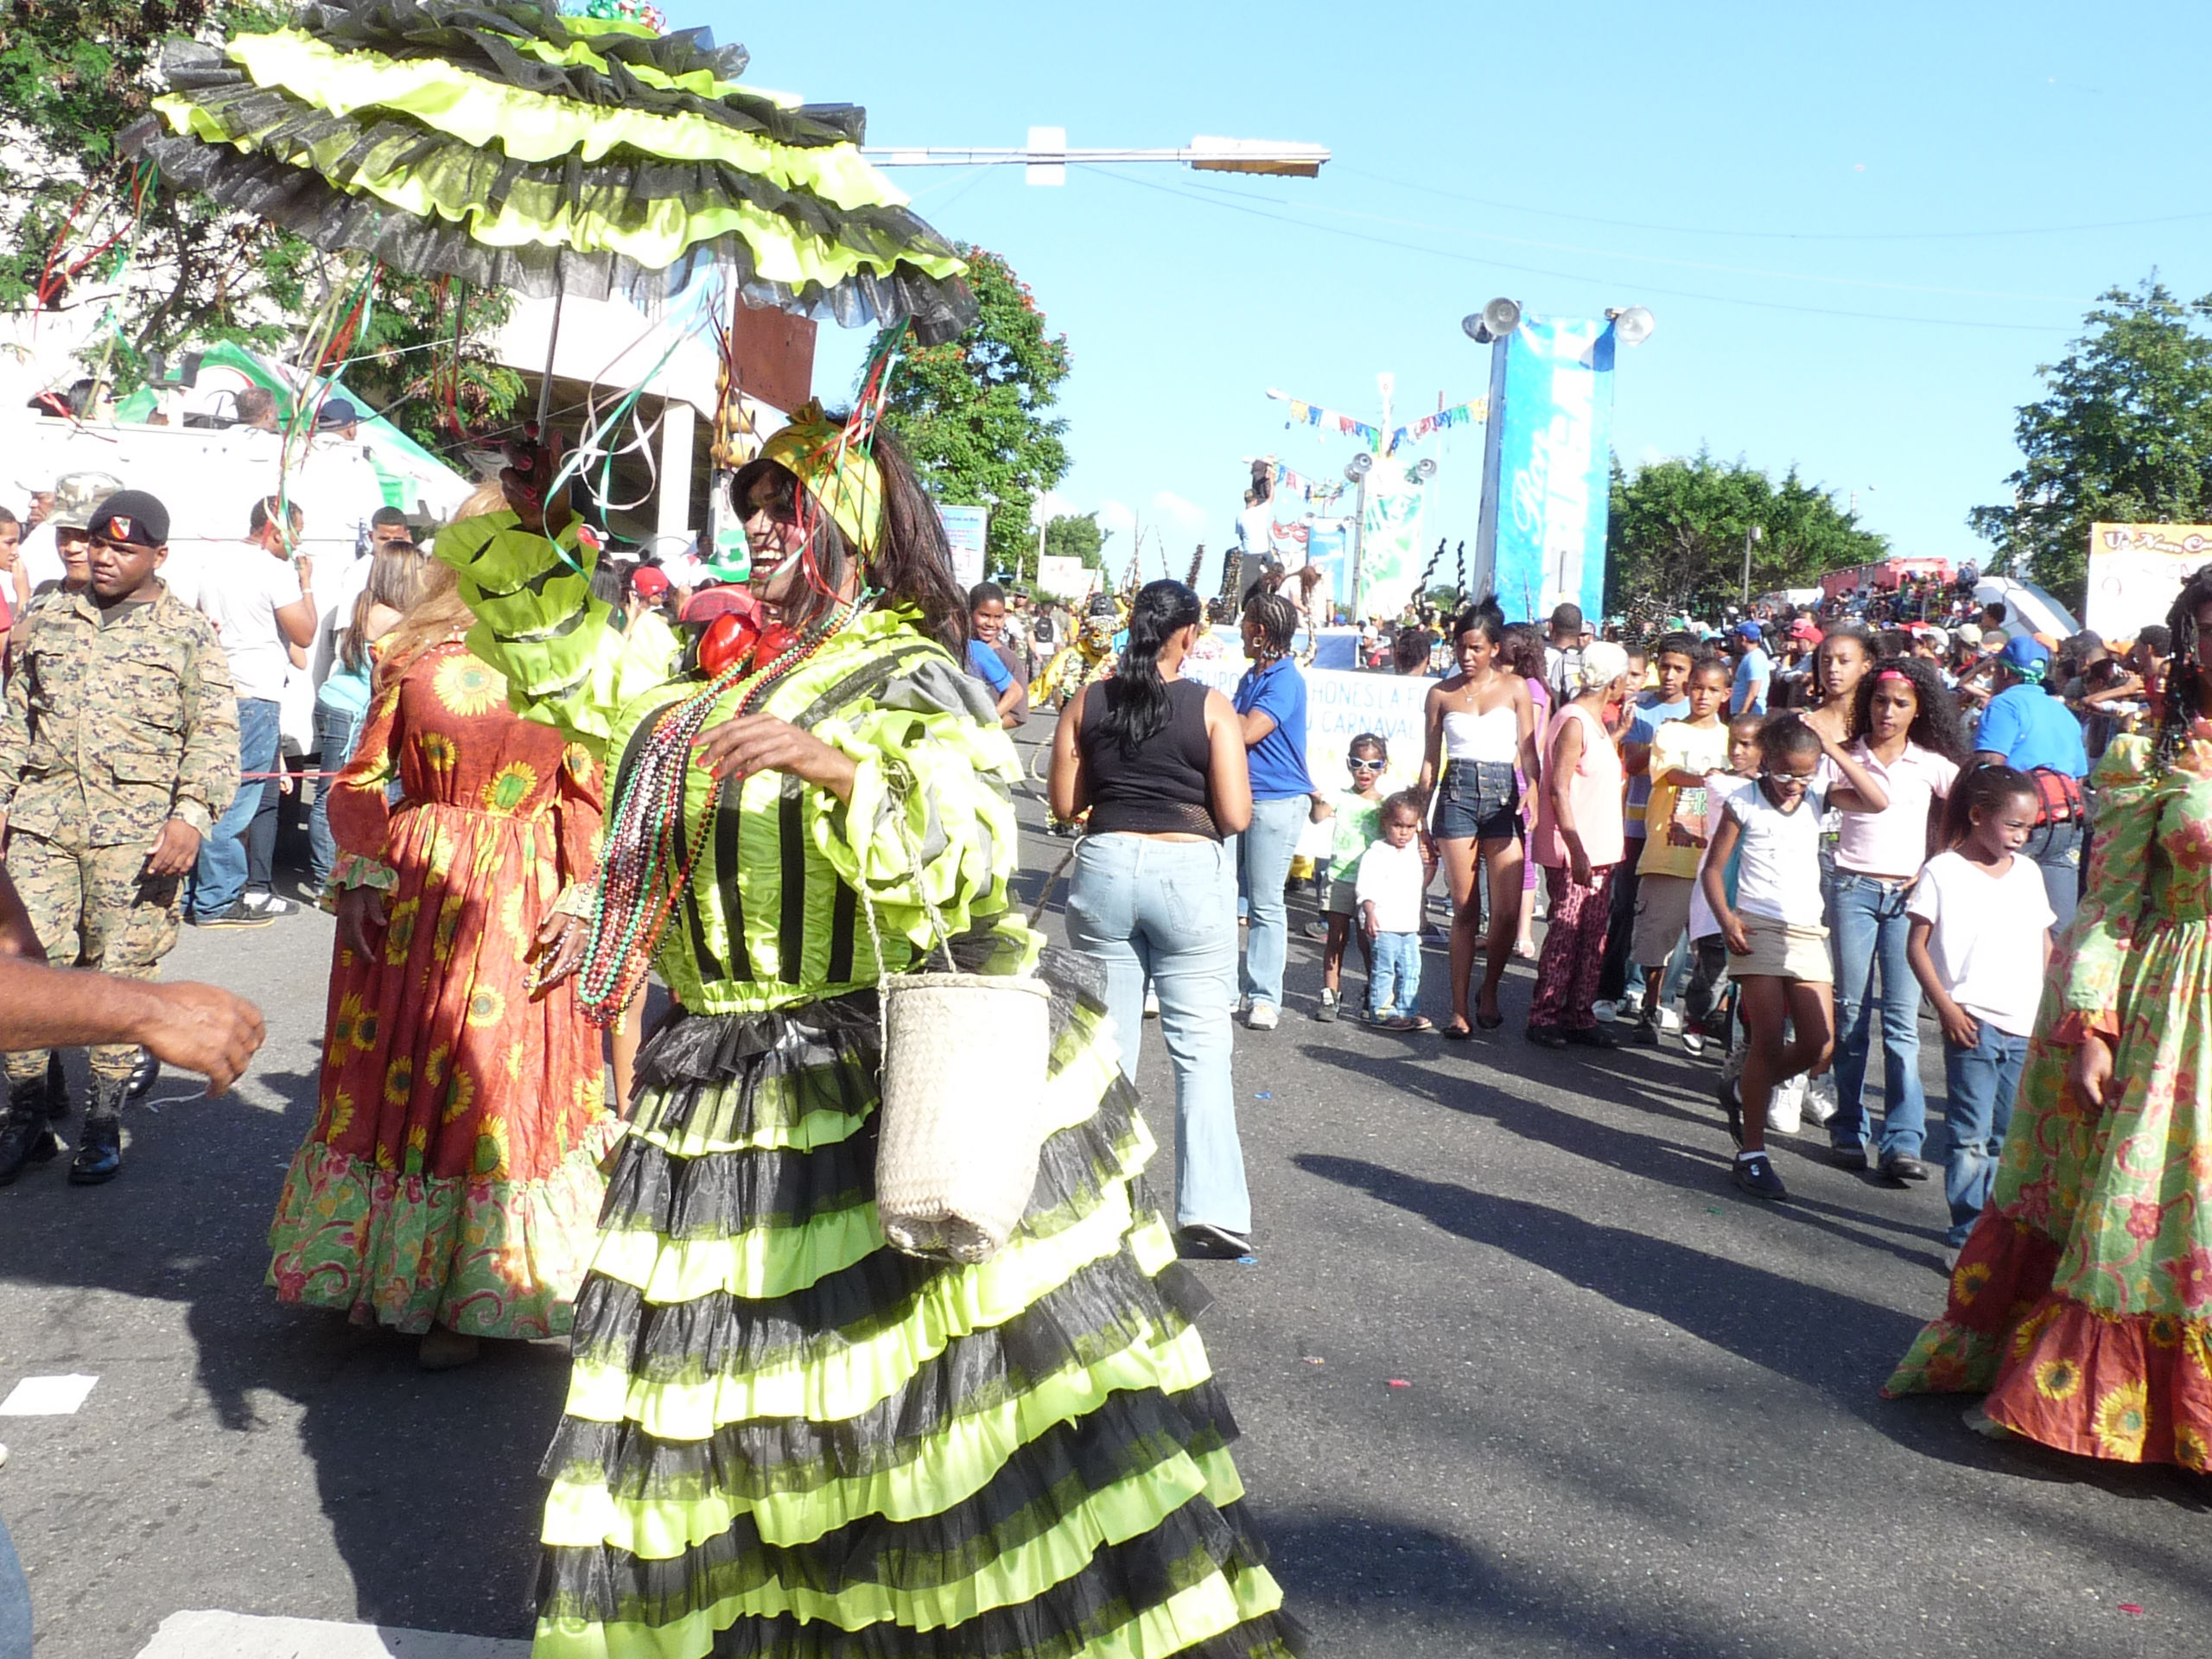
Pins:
<point x="960" y="1122"/>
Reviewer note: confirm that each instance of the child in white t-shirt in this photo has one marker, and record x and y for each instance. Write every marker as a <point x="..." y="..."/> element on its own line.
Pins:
<point x="1393" y="875"/>
<point x="1979" y="945"/>
<point x="1773" y="927"/>
<point x="1709" y="952"/>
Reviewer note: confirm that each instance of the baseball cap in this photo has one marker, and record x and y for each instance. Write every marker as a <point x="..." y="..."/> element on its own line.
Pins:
<point x="2023" y="654"/>
<point x="1800" y="629"/>
<point x="1967" y="633"/>
<point x="335" y="413"/>
<point x="1940" y="636"/>
<point x="1750" y="630"/>
<point x="77" y="497"/>
<point x="132" y="516"/>
<point x="649" y="580"/>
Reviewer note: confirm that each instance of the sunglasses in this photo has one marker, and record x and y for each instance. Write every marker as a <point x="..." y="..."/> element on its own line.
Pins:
<point x="1788" y="780"/>
<point x="1364" y="765"/>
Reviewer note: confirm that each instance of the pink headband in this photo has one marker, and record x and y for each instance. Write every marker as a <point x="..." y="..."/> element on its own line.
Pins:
<point x="1893" y="674"/>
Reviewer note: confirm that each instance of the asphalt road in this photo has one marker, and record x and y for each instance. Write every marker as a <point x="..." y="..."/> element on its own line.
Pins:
<point x="1639" y="1413"/>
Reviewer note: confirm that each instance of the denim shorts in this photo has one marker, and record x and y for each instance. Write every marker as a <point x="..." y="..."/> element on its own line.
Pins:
<point x="1480" y="800"/>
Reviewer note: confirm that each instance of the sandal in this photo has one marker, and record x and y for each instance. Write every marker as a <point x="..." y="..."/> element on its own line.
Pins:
<point x="1412" y="1022"/>
<point x="1458" y="1031"/>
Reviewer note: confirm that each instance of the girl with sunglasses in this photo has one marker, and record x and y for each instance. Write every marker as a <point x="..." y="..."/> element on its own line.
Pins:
<point x="1355" y="819"/>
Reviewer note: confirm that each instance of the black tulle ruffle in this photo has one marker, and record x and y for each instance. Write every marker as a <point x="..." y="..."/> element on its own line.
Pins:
<point x="1035" y="1491"/>
<point x="1119" y="1582"/>
<point x="480" y="38"/>
<point x="749" y="1461"/>
<point x="1099" y="1309"/>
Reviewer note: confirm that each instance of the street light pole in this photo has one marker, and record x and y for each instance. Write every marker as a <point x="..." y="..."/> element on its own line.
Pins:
<point x="1756" y="533"/>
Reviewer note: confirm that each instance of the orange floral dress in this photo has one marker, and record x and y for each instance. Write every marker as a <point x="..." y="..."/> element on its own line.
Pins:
<point x="453" y="1175"/>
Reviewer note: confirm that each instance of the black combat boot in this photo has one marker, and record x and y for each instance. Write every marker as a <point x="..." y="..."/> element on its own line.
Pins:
<point x="57" y="1088"/>
<point x="99" y="1147"/>
<point x="24" y="1136"/>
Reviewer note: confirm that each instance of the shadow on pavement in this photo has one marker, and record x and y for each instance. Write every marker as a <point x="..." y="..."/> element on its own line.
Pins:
<point x="429" y="1484"/>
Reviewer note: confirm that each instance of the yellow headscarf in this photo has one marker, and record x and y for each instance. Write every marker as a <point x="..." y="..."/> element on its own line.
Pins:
<point x="839" y="475"/>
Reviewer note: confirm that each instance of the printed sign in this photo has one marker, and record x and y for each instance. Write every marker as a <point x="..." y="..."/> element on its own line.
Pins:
<point x="1339" y="706"/>
<point x="965" y="528"/>
<point x="2136" y="571"/>
<point x="1061" y="577"/>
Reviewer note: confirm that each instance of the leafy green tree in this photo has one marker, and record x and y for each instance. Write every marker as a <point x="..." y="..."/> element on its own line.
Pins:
<point x="974" y="412"/>
<point x="2123" y="434"/>
<point x="78" y="225"/>
<point x="1675" y="539"/>
<point x="1077" y="537"/>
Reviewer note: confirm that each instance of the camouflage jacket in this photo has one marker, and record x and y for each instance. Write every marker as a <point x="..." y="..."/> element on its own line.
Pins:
<point x="111" y="731"/>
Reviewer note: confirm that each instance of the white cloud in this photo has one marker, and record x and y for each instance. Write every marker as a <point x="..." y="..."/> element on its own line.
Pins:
<point x="1187" y="514"/>
<point x="1050" y="506"/>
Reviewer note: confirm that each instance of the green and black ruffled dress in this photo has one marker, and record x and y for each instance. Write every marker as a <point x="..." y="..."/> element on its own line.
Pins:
<point x="783" y="1437"/>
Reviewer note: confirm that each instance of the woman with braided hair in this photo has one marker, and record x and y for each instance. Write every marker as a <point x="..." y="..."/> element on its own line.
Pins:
<point x="2082" y="1301"/>
<point x="783" y="1436"/>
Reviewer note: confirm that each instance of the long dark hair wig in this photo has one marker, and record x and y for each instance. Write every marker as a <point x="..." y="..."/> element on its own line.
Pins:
<point x="1934" y="722"/>
<point x="2184" y="691"/>
<point x="911" y="565"/>
<point x="1137" y="710"/>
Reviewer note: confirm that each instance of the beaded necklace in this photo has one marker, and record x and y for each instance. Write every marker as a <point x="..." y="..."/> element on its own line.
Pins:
<point x="649" y="860"/>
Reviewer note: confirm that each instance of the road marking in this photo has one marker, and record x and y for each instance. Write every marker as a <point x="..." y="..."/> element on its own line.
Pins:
<point x="237" y="1636"/>
<point x="47" y="1396"/>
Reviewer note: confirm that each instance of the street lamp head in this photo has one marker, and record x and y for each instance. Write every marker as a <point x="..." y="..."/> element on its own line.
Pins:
<point x="1358" y="466"/>
<point x="1494" y="321"/>
<point x="1632" y="324"/>
<point x="1422" y="470"/>
<point x="1758" y="532"/>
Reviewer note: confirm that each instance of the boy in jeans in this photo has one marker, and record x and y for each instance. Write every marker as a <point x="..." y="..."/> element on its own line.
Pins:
<point x="1393" y="875"/>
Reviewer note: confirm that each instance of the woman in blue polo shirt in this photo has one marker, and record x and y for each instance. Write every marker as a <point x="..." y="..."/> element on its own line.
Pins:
<point x="1271" y="701"/>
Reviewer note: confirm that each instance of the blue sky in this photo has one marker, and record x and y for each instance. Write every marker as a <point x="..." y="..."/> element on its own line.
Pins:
<point x="1861" y="229"/>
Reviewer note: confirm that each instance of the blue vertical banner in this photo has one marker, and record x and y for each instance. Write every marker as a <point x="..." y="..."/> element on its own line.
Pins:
<point x="1547" y="468"/>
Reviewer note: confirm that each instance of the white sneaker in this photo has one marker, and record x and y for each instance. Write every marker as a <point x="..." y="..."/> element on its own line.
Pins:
<point x="266" y="904"/>
<point x="1670" y="1021"/>
<point x="1692" y="1040"/>
<point x="1821" y="1103"/>
<point x="1606" y="1012"/>
<point x="1151" y="1003"/>
<point x="1785" y="1111"/>
<point x="1262" y="1017"/>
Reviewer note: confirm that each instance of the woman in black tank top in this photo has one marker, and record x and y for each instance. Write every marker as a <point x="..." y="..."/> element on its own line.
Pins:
<point x="1158" y="762"/>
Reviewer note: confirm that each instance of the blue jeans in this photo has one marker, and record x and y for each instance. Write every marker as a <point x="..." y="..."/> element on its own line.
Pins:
<point x="336" y="731"/>
<point x="1394" y="984"/>
<point x="1263" y="854"/>
<point x="1870" y="930"/>
<point x="1981" y="1082"/>
<point x="219" y="877"/>
<point x="1166" y="911"/>
<point x="2057" y="850"/>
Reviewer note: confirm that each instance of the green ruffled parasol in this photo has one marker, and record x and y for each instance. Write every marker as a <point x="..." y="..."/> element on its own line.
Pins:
<point x="507" y="145"/>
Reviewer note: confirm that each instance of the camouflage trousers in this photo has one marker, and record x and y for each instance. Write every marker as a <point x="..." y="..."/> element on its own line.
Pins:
<point x="93" y="907"/>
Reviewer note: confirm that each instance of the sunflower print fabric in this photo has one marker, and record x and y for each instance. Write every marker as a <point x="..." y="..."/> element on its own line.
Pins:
<point x="453" y="1173"/>
<point x="2082" y="1302"/>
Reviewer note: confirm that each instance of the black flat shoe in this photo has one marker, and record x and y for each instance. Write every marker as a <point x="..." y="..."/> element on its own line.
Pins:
<point x="1456" y="1033"/>
<point x="1206" y="1241"/>
<point x="1548" y="1037"/>
<point x="1593" y="1037"/>
<point x="1899" y="1167"/>
<point x="1851" y="1158"/>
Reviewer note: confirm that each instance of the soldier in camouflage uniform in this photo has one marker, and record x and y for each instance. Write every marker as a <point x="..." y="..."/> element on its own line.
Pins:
<point x="119" y="744"/>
